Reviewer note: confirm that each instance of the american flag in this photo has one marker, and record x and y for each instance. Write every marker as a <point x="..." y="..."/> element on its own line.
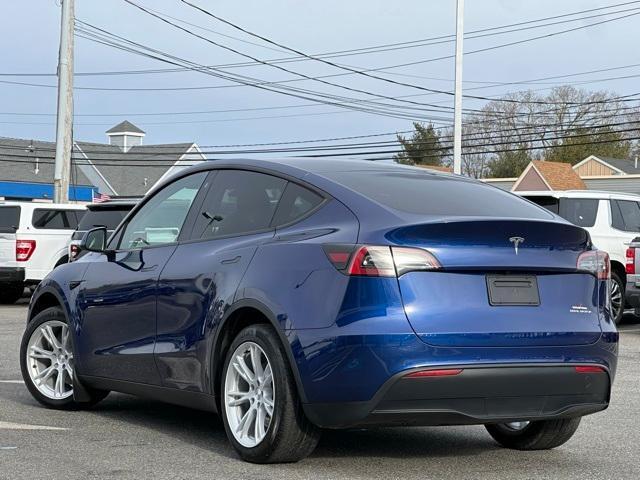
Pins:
<point x="100" y="197"/>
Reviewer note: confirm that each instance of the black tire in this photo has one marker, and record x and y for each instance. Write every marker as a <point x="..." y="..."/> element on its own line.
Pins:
<point x="540" y="435"/>
<point x="52" y="313"/>
<point x="290" y="436"/>
<point x="10" y="293"/>
<point x="616" y="278"/>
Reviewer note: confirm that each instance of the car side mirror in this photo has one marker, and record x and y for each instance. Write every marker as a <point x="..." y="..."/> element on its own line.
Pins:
<point x="95" y="240"/>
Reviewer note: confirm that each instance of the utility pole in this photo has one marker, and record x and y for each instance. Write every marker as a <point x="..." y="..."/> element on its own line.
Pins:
<point x="64" y="121"/>
<point x="457" y="112"/>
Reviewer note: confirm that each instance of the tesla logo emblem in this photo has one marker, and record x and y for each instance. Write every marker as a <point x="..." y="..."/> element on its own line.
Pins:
<point x="516" y="241"/>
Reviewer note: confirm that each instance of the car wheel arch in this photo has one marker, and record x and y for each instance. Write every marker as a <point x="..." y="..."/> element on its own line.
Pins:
<point x="618" y="268"/>
<point x="242" y="314"/>
<point x="46" y="298"/>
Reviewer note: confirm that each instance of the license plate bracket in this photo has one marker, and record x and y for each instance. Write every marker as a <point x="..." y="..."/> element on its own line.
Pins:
<point x="513" y="290"/>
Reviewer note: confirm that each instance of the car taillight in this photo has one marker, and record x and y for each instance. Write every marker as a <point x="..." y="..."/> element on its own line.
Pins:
<point x="596" y="262"/>
<point x="630" y="264"/>
<point x="24" y="249"/>
<point x="379" y="261"/>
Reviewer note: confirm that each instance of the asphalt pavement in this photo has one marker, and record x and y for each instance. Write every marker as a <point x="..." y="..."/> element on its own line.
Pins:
<point x="130" y="438"/>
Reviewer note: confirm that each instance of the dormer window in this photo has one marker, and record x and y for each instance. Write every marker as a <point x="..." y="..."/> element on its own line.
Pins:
<point x="125" y="135"/>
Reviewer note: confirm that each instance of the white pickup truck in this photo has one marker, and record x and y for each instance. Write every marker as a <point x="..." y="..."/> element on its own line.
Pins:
<point x="33" y="241"/>
<point x="613" y="221"/>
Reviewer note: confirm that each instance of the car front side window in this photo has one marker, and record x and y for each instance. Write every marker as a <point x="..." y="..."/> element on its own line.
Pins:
<point x="160" y="220"/>
<point x="239" y="202"/>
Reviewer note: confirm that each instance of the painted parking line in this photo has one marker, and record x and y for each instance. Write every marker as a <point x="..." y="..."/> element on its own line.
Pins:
<point x="17" y="382"/>
<point x="24" y="426"/>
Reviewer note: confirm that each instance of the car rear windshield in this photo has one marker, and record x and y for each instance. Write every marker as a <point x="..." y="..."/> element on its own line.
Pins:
<point x="9" y="219"/>
<point x="109" y="218"/>
<point x="579" y="211"/>
<point x="427" y="194"/>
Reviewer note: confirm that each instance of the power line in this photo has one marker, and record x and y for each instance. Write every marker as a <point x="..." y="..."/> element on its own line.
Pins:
<point x="442" y="141"/>
<point x="340" y="52"/>
<point x="352" y="70"/>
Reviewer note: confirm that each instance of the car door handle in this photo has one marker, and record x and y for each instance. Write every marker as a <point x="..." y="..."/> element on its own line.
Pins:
<point x="228" y="261"/>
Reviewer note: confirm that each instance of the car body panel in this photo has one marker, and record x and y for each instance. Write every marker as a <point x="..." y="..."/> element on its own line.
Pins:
<point x="117" y="314"/>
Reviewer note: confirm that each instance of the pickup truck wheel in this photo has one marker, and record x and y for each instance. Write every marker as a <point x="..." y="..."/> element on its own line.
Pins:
<point x="617" y="298"/>
<point x="11" y="293"/>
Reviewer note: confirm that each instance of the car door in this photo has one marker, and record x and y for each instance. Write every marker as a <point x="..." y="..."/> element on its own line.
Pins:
<point x="118" y="296"/>
<point x="200" y="280"/>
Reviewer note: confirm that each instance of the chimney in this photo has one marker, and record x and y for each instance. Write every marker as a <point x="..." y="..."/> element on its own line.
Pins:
<point x="125" y="135"/>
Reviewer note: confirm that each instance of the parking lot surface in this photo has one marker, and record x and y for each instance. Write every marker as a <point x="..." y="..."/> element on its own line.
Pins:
<point x="127" y="437"/>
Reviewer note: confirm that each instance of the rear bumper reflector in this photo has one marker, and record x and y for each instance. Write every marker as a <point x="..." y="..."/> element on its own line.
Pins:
<point x="589" y="369"/>
<point x="435" y="373"/>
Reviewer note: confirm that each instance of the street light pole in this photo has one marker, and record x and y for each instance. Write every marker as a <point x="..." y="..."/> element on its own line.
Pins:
<point x="457" y="113"/>
<point x="64" y="121"/>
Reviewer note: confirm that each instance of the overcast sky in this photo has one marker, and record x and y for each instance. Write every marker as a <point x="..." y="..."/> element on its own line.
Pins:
<point x="29" y="30"/>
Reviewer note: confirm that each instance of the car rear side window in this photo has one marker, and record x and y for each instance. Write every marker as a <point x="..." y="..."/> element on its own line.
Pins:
<point x="550" y="203"/>
<point x="296" y="202"/>
<point x="625" y="215"/>
<point x="238" y="202"/>
<point x="579" y="211"/>
<point x="56" y="219"/>
<point x="9" y="219"/>
<point x="427" y="194"/>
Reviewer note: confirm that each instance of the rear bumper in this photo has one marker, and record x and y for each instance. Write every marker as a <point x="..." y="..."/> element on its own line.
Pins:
<point x="477" y="395"/>
<point x="11" y="275"/>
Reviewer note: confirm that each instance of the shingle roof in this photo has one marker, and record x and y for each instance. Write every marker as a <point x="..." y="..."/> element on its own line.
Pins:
<point x="129" y="174"/>
<point x="20" y="157"/>
<point x="627" y="166"/>
<point x="559" y="175"/>
<point x="140" y="167"/>
<point x="125" y="126"/>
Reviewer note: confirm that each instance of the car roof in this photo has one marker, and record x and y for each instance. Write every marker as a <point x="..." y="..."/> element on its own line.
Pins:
<point x="579" y="194"/>
<point x="311" y="165"/>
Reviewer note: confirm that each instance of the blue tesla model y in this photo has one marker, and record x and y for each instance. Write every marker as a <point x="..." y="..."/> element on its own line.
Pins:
<point x="300" y="295"/>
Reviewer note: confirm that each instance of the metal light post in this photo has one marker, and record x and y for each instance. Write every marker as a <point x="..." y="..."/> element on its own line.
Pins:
<point x="457" y="113"/>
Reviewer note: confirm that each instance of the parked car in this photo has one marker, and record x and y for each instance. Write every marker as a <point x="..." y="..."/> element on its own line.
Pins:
<point x="107" y="214"/>
<point x="33" y="241"/>
<point x="632" y="290"/>
<point x="612" y="220"/>
<point x="295" y="295"/>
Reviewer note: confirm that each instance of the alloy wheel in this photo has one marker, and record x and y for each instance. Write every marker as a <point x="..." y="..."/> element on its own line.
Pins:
<point x="249" y="394"/>
<point x="49" y="360"/>
<point x="616" y="298"/>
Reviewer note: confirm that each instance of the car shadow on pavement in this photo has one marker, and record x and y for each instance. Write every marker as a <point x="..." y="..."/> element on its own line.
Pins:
<point x="403" y="442"/>
<point x="206" y="431"/>
<point x="201" y="429"/>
